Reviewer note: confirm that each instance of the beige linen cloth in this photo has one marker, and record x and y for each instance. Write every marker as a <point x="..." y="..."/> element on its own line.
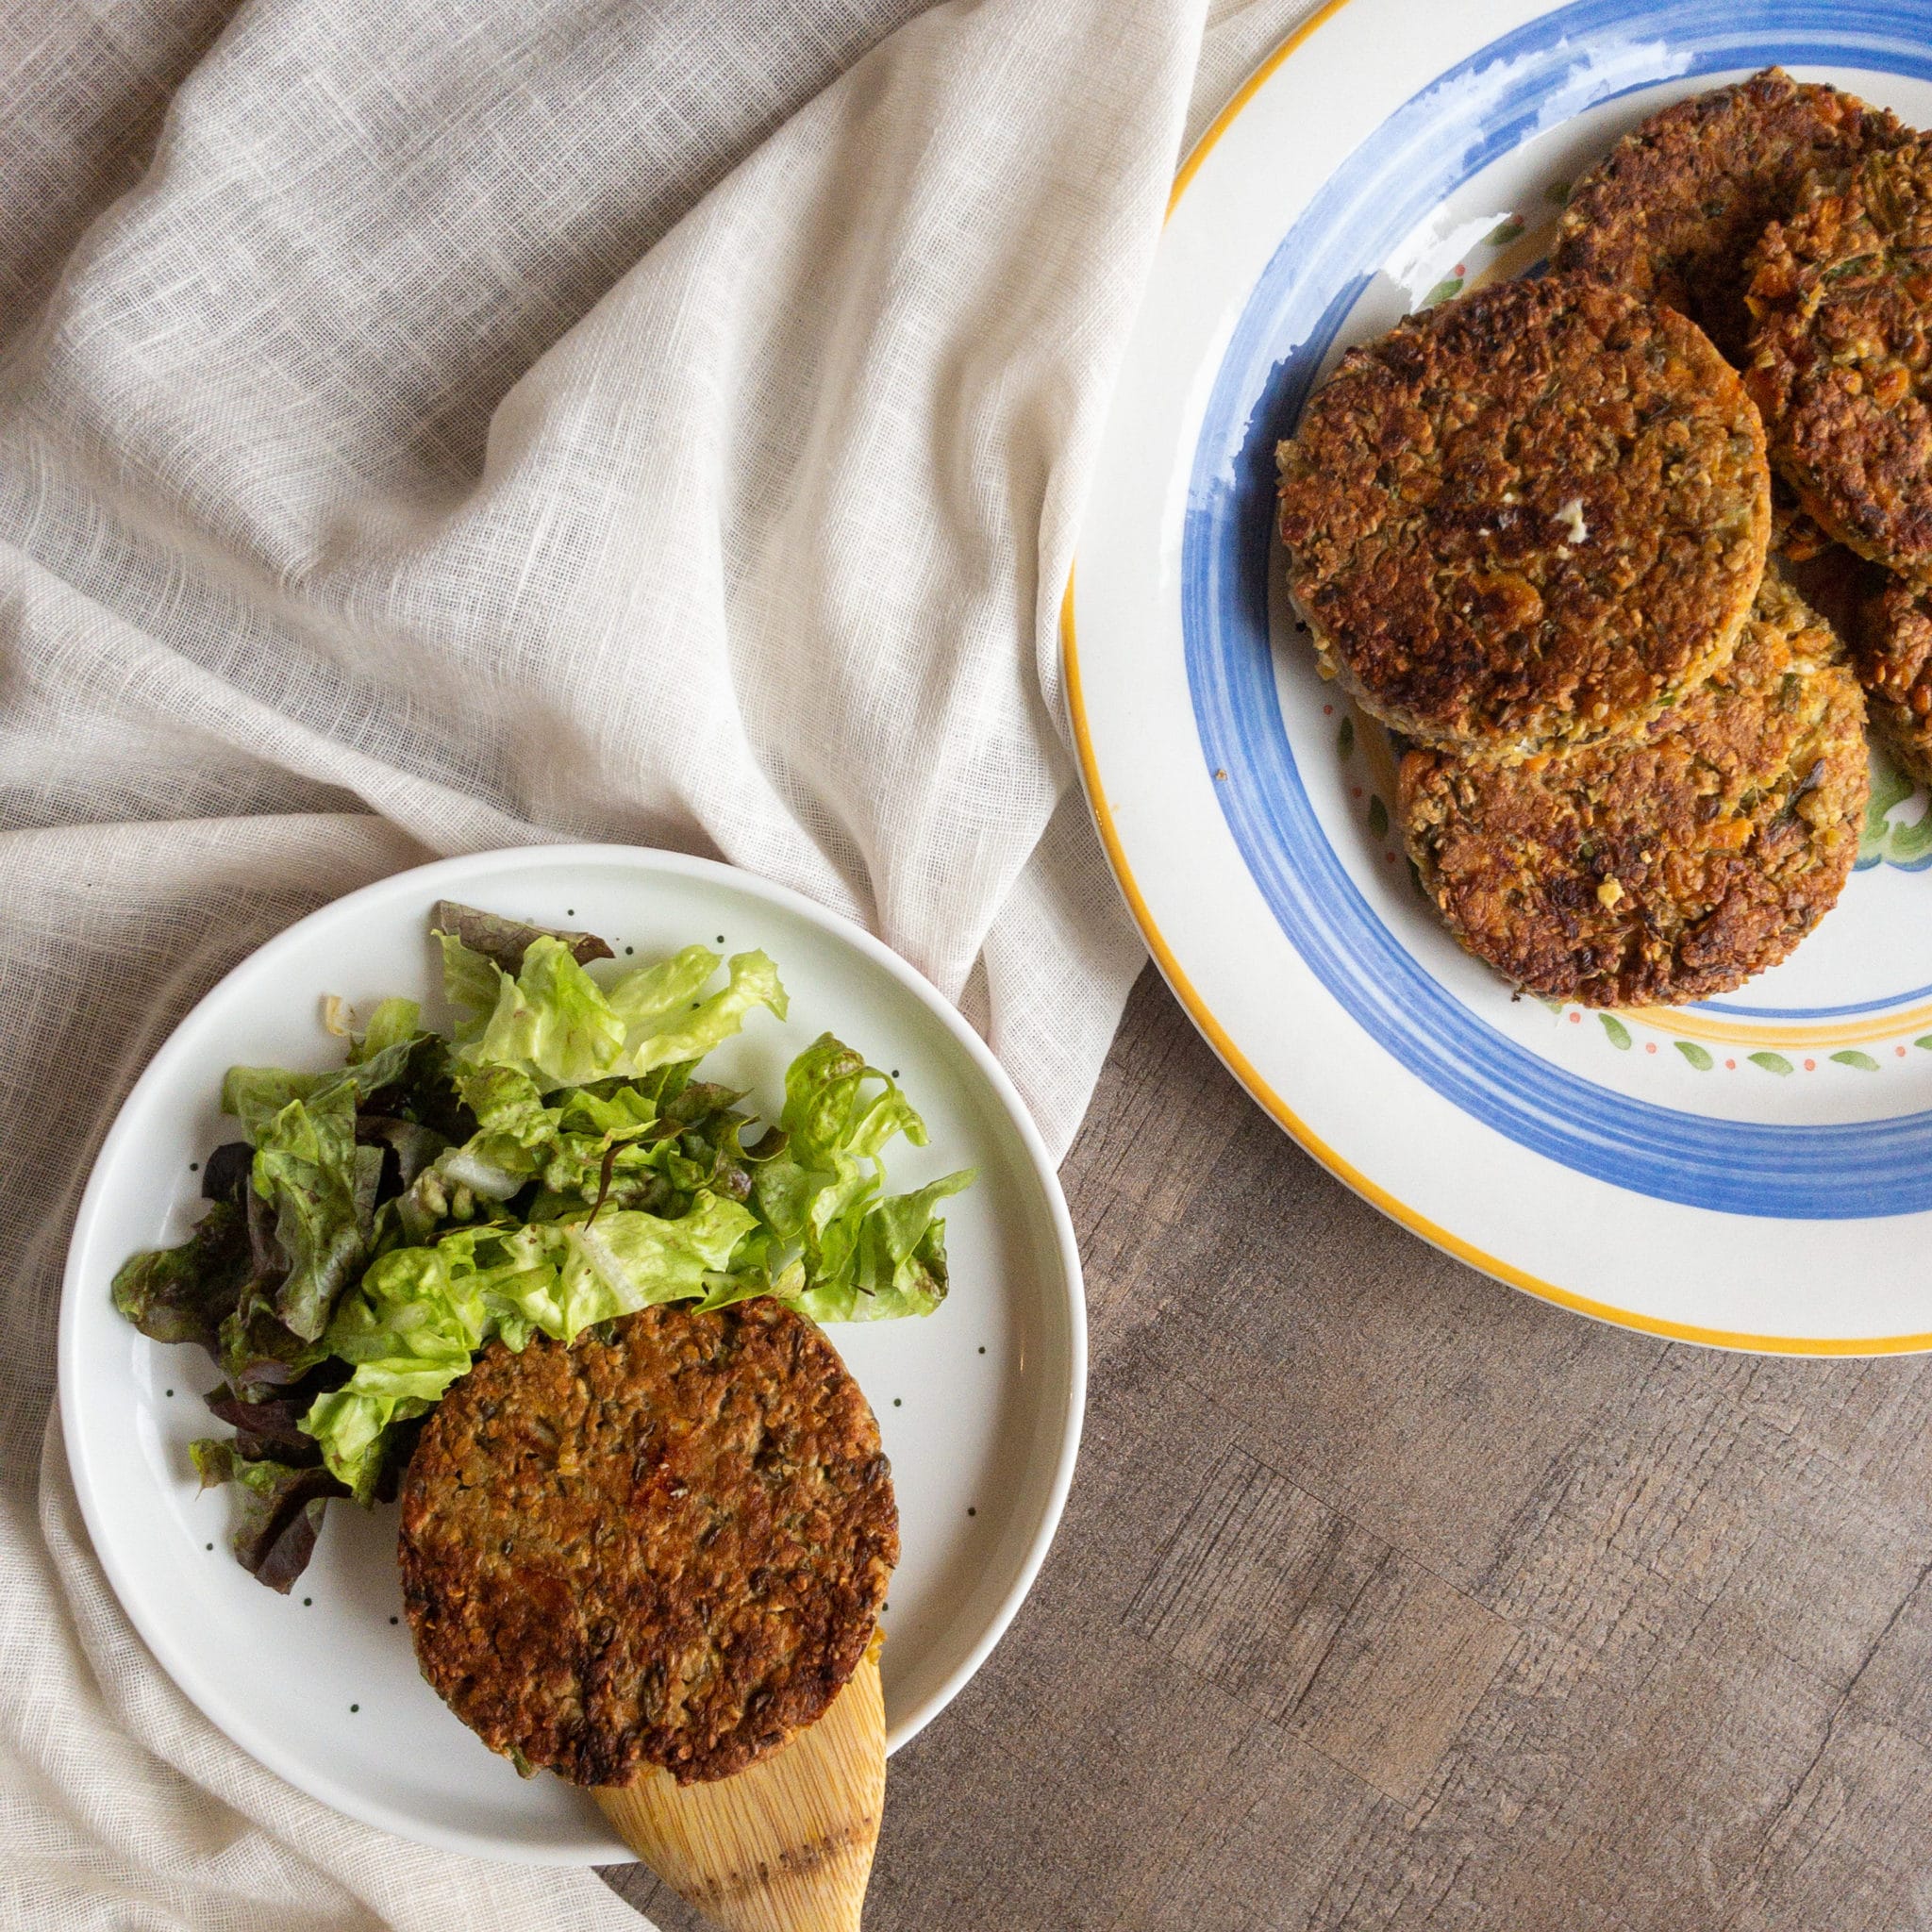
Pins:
<point x="431" y="427"/>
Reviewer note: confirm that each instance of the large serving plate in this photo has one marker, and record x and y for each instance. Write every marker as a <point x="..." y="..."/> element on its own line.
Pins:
<point x="1754" y="1170"/>
<point x="979" y="1402"/>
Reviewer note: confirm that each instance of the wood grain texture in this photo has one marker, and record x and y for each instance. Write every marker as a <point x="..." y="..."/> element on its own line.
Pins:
<point x="1389" y="1597"/>
<point x="784" y="1845"/>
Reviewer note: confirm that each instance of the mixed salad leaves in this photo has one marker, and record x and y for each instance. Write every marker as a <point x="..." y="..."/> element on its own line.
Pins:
<point x="552" y="1162"/>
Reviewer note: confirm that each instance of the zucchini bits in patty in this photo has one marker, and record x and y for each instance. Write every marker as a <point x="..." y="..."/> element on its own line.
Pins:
<point x="1672" y="211"/>
<point x="1530" y="517"/>
<point x="1842" y="362"/>
<point x="665" y="1547"/>
<point x="1667" y="870"/>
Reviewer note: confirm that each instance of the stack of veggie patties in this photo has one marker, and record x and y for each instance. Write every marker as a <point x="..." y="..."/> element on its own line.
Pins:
<point x="1530" y="530"/>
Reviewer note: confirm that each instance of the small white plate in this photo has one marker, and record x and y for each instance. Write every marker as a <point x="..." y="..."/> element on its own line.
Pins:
<point x="1755" y="1171"/>
<point x="979" y="1402"/>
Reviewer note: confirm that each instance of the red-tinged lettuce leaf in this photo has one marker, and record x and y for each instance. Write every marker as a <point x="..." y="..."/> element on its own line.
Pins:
<point x="256" y="1095"/>
<point x="399" y="1444"/>
<point x="258" y="1355"/>
<point x="507" y="940"/>
<point x="185" y="1294"/>
<point x="271" y="1429"/>
<point x="224" y="1173"/>
<point x="411" y="1080"/>
<point x="313" y="1177"/>
<point x="279" y="1508"/>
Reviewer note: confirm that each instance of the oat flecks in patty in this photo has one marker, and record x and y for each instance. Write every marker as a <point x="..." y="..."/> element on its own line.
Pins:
<point x="1892" y="653"/>
<point x="1667" y="870"/>
<point x="1430" y="504"/>
<point x="1674" y="208"/>
<point x="665" y="1549"/>
<point x="1841" y="359"/>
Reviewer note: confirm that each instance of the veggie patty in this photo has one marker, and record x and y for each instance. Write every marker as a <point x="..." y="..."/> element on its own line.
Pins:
<point x="665" y="1544"/>
<point x="1674" y="208"/>
<point x="1532" y="516"/>
<point x="1842" y="362"/>
<point x="1669" y="870"/>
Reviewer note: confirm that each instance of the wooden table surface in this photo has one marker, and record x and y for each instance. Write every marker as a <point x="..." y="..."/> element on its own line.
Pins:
<point x="1387" y="1596"/>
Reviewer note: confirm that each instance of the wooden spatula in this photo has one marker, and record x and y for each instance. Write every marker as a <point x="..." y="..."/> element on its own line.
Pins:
<point x="785" y="1845"/>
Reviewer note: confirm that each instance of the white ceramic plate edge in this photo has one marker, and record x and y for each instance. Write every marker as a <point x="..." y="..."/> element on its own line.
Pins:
<point x="259" y="1739"/>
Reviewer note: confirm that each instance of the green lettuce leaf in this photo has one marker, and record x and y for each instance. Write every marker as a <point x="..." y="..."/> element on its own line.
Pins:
<point x="898" y="1264"/>
<point x="255" y="1095"/>
<point x="654" y="1143"/>
<point x="322" y="1185"/>
<point x="552" y="1023"/>
<point x="421" y="1313"/>
<point x="493" y="1164"/>
<point x="471" y="980"/>
<point x="665" y="1019"/>
<point x="866" y="1255"/>
<point x="394" y="1022"/>
<point x="648" y="998"/>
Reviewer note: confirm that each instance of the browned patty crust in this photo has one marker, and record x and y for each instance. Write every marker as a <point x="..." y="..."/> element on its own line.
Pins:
<point x="1841" y="360"/>
<point x="1893" y="654"/>
<point x="1527" y="517"/>
<point x="1671" y="867"/>
<point x="665" y="1548"/>
<point x="1674" y="208"/>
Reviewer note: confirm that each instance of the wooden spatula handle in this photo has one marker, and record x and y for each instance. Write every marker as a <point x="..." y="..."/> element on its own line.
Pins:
<point x="785" y="1846"/>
